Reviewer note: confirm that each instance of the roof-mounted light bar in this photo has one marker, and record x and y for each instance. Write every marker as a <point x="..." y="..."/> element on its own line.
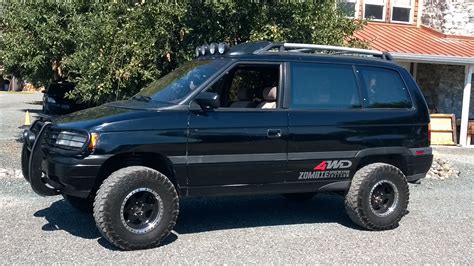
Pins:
<point x="211" y="49"/>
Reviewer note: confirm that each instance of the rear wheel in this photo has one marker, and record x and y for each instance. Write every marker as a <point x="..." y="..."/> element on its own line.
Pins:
<point x="378" y="197"/>
<point x="136" y="208"/>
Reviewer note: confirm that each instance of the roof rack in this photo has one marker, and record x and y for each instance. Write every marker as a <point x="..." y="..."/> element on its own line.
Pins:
<point x="324" y="49"/>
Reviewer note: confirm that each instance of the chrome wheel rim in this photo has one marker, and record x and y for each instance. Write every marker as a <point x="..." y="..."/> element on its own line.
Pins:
<point x="141" y="210"/>
<point x="384" y="198"/>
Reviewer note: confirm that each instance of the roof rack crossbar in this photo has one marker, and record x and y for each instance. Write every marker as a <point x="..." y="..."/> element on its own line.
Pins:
<point x="302" y="47"/>
<point x="332" y="48"/>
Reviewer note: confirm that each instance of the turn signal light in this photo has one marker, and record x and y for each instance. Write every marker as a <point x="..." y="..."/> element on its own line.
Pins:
<point x="93" y="141"/>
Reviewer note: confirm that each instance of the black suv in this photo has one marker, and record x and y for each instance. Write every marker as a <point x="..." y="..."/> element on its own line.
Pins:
<point x="293" y="119"/>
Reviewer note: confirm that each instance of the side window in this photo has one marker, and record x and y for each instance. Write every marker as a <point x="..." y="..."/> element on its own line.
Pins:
<point x="323" y="86"/>
<point x="249" y="86"/>
<point x="385" y="88"/>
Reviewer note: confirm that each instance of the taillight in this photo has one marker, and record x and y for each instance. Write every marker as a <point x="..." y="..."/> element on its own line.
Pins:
<point x="429" y="134"/>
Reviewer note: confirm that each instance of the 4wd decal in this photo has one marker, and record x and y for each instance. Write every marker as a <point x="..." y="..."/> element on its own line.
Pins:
<point x="328" y="169"/>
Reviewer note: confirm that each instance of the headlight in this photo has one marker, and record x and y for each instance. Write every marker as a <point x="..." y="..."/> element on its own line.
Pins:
<point x="71" y="139"/>
<point x="51" y="100"/>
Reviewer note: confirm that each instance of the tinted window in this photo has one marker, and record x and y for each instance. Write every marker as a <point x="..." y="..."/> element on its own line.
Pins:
<point x="321" y="86"/>
<point x="385" y="88"/>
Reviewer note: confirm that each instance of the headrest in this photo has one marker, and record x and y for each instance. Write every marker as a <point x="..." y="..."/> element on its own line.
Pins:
<point x="270" y="94"/>
<point x="243" y="94"/>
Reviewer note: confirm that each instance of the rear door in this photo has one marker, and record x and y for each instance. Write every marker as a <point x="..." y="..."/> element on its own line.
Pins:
<point x="325" y="118"/>
<point x="240" y="143"/>
<point x="338" y="110"/>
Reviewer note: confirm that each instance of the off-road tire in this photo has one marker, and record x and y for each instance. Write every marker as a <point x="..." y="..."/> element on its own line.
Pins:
<point x="358" y="199"/>
<point x="111" y="195"/>
<point x="81" y="204"/>
<point x="300" y="197"/>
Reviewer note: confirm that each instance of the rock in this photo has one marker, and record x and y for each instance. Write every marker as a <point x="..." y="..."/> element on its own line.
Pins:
<point x="442" y="169"/>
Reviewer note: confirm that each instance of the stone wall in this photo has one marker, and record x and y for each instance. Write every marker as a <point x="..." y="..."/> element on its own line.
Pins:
<point x="443" y="87"/>
<point x="449" y="16"/>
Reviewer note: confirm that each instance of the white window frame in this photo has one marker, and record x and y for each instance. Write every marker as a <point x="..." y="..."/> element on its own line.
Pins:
<point x="410" y="16"/>
<point x="375" y="2"/>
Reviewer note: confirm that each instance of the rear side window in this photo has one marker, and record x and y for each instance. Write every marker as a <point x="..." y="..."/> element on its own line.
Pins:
<point x="384" y="88"/>
<point x="323" y="86"/>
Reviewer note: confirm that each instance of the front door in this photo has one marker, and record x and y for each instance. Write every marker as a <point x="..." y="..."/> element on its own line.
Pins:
<point x="244" y="141"/>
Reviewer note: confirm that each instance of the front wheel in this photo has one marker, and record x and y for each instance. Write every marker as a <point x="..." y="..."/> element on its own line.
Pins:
<point x="136" y="207"/>
<point x="378" y="197"/>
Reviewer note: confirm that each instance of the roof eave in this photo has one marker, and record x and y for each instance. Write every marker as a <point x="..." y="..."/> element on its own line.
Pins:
<point x="439" y="59"/>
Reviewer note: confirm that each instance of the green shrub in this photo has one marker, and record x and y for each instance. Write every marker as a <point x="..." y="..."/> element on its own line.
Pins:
<point x="111" y="50"/>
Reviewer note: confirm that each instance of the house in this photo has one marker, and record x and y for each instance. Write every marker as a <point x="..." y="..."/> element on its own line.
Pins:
<point x="434" y="40"/>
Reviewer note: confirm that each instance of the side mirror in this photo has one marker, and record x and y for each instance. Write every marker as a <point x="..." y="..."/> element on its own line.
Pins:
<point x="208" y="100"/>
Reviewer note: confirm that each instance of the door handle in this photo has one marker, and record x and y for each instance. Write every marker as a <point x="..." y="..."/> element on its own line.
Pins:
<point x="274" y="133"/>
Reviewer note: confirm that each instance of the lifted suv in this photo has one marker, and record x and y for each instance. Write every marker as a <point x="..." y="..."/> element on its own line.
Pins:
<point x="294" y="119"/>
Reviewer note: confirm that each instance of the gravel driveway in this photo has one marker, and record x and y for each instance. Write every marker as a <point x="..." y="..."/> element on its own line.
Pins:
<point x="264" y="229"/>
<point x="233" y="230"/>
<point x="12" y="116"/>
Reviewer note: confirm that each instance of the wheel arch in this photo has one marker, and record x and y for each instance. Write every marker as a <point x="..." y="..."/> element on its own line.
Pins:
<point x="152" y="160"/>
<point x="396" y="159"/>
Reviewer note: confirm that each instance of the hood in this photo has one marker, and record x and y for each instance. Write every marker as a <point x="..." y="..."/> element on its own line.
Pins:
<point x="113" y="116"/>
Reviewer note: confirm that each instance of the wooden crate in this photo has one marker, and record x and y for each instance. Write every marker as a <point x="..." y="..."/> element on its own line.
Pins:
<point x="443" y="129"/>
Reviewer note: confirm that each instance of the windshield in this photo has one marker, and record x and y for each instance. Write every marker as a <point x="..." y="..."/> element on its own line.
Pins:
<point x="178" y="84"/>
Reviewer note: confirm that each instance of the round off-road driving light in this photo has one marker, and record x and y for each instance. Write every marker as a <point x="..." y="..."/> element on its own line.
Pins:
<point x="198" y="51"/>
<point x="204" y="49"/>
<point x="222" y="47"/>
<point x="213" y="48"/>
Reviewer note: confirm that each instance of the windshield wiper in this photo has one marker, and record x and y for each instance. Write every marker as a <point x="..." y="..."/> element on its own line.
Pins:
<point x="142" y="98"/>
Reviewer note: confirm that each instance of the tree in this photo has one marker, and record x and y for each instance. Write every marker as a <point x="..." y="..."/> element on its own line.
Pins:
<point x="111" y="50"/>
<point x="36" y="38"/>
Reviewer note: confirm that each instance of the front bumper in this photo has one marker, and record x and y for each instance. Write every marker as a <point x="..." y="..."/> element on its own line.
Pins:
<point x="72" y="176"/>
<point x="54" y="173"/>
